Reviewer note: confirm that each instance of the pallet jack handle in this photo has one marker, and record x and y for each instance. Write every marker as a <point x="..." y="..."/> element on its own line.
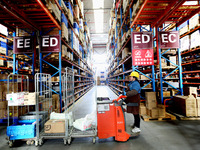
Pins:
<point x="119" y="98"/>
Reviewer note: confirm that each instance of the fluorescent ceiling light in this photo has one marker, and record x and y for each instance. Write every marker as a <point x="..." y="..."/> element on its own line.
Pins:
<point x="98" y="4"/>
<point x="98" y="19"/>
<point x="191" y="3"/>
<point x="3" y="30"/>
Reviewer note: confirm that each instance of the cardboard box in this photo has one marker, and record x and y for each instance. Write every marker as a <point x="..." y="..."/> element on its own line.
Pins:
<point x="3" y="113"/>
<point x="142" y="77"/>
<point x="198" y="106"/>
<point x="30" y="99"/>
<point x="154" y="113"/>
<point x="143" y="110"/>
<point x="56" y="101"/>
<point x="185" y="105"/>
<point x="149" y="96"/>
<point x="3" y="105"/>
<point x="151" y="104"/>
<point x="166" y="94"/>
<point x="54" y="126"/>
<point x="1" y="96"/>
<point x="161" y="111"/>
<point x="190" y="91"/>
<point x="125" y="52"/>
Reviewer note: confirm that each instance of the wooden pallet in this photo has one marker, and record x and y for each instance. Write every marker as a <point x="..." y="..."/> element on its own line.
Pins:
<point x="168" y="116"/>
<point x="181" y="117"/>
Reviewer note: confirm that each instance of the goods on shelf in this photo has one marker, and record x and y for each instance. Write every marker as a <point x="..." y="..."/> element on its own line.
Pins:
<point x="53" y="8"/>
<point x="185" y="43"/>
<point x="125" y="52"/>
<point x="194" y="21"/>
<point x="185" y="105"/>
<point x="76" y="11"/>
<point x="194" y="42"/>
<point x="190" y="91"/>
<point x="183" y="28"/>
<point x="64" y="27"/>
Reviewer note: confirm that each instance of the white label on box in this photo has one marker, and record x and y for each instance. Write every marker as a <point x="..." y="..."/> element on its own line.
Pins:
<point x="15" y="99"/>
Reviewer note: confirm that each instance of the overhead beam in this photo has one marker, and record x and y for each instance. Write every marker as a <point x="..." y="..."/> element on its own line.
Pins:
<point x="17" y="17"/>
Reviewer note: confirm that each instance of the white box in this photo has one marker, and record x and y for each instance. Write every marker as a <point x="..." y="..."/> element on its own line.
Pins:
<point x="175" y="84"/>
<point x="173" y="60"/>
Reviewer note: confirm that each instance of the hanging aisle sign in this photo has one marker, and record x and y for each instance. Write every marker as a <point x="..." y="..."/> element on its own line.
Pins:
<point x="142" y="48"/>
<point x="23" y="44"/>
<point x="50" y="43"/>
<point x="142" y="40"/>
<point x="169" y="39"/>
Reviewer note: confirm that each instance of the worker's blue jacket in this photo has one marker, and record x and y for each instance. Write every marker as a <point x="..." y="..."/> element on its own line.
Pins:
<point x="134" y="85"/>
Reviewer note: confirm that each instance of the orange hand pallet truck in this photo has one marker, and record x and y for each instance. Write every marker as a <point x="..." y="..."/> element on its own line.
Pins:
<point x="111" y="119"/>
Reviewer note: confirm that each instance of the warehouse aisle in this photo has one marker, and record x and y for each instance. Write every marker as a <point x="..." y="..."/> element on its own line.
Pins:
<point x="163" y="135"/>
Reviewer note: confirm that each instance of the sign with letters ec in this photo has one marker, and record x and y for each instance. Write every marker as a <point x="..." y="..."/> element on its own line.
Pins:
<point x="169" y="39"/>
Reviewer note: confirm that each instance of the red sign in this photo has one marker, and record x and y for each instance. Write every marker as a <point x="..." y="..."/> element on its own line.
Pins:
<point x="142" y="57"/>
<point x="50" y="43"/>
<point x="142" y="40"/>
<point x="169" y="39"/>
<point x="23" y="44"/>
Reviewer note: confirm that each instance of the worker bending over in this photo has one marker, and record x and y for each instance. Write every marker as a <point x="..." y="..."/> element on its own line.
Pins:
<point x="133" y="99"/>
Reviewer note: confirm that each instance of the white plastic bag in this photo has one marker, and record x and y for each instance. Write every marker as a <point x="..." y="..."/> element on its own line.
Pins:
<point x="84" y="124"/>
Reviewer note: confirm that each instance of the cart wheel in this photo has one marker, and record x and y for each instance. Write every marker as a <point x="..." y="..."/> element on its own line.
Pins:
<point x="94" y="140"/>
<point x="32" y="142"/>
<point x="10" y="143"/>
<point x="69" y="141"/>
<point x="65" y="142"/>
<point x="40" y="142"/>
<point x="36" y="143"/>
<point x="28" y="142"/>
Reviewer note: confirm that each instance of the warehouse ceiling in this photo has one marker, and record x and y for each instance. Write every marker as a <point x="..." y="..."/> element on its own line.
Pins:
<point x="97" y="13"/>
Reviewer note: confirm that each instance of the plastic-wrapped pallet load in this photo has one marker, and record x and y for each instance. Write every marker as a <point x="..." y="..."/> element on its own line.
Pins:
<point x="194" y="21"/>
<point x="194" y="39"/>
<point x="185" y="43"/>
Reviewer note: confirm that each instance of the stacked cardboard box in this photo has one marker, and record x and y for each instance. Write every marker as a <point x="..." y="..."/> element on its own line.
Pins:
<point x="153" y="110"/>
<point x="98" y="80"/>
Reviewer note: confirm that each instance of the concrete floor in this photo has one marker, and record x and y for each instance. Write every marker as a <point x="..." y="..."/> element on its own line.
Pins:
<point x="163" y="135"/>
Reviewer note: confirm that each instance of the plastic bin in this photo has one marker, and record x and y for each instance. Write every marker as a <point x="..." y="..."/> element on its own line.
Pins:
<point x="21" y="130"/>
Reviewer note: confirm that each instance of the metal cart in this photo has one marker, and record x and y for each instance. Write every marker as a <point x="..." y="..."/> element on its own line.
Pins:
<point x="19" y="127"/>
<point x="68" y="97"/>
<point x="75" y="133"/>
<point x="43" y="90"/>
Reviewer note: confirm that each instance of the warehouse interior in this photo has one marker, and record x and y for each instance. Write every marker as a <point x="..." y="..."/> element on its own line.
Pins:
<point x="68" y="70"/>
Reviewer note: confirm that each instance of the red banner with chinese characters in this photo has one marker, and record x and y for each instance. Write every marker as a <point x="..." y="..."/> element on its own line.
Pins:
<point x="142" y="57"/>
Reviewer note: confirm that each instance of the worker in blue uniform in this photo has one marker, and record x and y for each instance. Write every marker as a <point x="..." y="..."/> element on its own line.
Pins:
<point x="133" y="100"/>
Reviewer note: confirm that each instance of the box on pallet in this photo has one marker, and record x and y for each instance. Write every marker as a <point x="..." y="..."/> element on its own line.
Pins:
<point x="185" y="43"/>
<point x="51" y="5"/>
<point x="161" y="110"/>
<point x="194" y="21"/>
<point x="143" y="110"/>
<point x="190" y="91"/>
<point x="185" y="105"/>
<point x="194" y="39"/>
<point x="76" y="11"/>
<point x="183" y="28"/>
<point x="198" y="106"/>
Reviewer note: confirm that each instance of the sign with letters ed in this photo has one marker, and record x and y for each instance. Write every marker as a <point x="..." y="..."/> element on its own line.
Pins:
<point x="50" y="43"/>
<point x="142" y="40"/>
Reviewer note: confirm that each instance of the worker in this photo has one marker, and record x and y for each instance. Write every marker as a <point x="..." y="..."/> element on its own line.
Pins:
<point x="133" y="99"/>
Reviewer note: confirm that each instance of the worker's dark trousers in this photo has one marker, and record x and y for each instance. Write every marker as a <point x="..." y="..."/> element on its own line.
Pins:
<point x="137" y="121"/>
